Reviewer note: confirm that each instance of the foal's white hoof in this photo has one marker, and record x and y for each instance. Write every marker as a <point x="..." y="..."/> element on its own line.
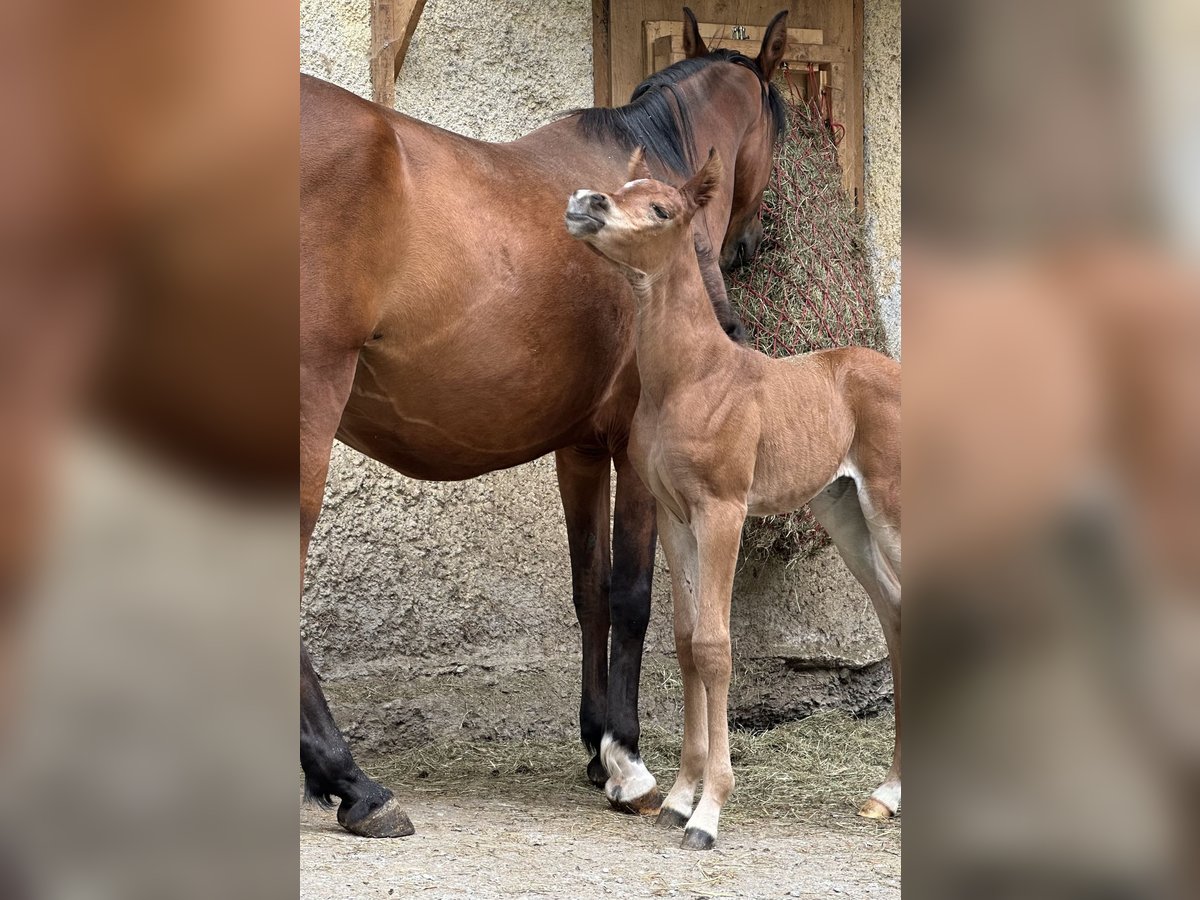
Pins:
<point x="873" y="809"/>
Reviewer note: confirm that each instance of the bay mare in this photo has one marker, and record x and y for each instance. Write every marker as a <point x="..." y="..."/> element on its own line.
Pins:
<point x="450" y="327"/>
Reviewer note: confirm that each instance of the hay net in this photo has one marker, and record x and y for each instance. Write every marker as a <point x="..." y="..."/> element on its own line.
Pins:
<point x="809" y="287"/>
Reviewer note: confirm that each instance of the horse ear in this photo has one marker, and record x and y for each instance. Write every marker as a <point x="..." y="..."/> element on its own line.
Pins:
<point x="637" y="166"/>
<point x="693" y="44"/>
<point x="773" y="46"/>
<point x="702" y="186"/>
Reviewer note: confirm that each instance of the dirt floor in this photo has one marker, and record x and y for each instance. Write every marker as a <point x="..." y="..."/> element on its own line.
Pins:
<point x="515" y="820"/>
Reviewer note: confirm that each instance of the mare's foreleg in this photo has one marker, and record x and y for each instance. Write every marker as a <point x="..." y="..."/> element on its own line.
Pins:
<point x="583" y="485"/>
<point x="367" y="808"/>
<point x="630" y="787"/>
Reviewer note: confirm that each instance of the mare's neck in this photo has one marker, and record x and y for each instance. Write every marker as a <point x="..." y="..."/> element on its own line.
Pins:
<point x="678" y="336"/>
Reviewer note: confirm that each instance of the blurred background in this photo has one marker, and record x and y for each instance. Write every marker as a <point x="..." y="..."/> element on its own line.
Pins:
<point x="148" y="470"/>
<point x="1052" y="448"/>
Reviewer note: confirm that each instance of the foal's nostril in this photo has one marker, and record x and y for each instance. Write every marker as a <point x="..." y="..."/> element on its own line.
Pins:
<point x="598" y="201"/>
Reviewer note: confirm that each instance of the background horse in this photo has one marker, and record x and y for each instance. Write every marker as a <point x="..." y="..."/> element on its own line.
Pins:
<point x="449" y="327"/>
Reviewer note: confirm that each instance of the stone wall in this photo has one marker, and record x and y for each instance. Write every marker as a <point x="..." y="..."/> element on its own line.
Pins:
<point x="435" y="608"/>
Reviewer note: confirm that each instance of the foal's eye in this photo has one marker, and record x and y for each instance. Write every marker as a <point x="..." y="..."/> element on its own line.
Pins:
<point x="659" y="211"/>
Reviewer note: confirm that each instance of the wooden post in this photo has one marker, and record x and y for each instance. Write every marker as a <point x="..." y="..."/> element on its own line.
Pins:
<point x="601" y="55"/>
<point x="392" y="25"/>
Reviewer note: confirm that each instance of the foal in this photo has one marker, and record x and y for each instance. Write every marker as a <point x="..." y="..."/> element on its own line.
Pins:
<point x="722" y="431"/>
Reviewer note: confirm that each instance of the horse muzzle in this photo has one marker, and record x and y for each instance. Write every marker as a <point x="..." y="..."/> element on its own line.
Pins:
<point x="738" y="253"/>
<point x="585" y="213"/>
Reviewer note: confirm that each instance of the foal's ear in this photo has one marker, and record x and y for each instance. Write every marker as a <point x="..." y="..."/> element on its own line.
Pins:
<point x="693" y="44"/>
<point x="702" y="186"/>
<point x="637" y="166"/>
<point x="773" y="46"/>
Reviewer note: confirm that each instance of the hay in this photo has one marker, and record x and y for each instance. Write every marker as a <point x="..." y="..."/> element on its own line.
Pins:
<point x="809" y="287"/>
<point x="819" y="768"/>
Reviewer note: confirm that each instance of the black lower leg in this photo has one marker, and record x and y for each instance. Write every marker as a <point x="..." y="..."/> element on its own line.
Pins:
<point x="330" y="770"/>
<point x="583" y="481"/>
<point x="634" y="537"/>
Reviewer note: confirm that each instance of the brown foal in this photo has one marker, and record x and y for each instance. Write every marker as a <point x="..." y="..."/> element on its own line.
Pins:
<point x="722" y="431"/>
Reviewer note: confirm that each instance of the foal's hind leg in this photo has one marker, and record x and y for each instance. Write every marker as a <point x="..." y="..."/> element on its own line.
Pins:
<point x="330" y="771"/>
<point x="870" y="546"/>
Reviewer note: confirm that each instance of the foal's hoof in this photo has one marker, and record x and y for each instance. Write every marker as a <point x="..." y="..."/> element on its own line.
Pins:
<point x="646" y="805"/>
<point x="597" y="774"/>
<point x="386" y="821"/>
<point x="670" y="818"/>
<point x="873" y="809"/>
<point x="695" y="839"/>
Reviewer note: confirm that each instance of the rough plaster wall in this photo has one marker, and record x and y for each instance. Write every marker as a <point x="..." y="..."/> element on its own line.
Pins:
<point x="335" y="42"/>
<point x="496" y="71"/>
<point x="881" y="155"/>
<point x="434" y="607"/>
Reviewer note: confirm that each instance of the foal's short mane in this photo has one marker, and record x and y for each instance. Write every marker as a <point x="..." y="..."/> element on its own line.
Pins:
<point x="663" y="128"/>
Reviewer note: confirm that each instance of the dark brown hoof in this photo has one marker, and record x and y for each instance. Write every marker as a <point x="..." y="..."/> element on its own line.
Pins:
<point x="387" y="821"/>
<point x="695" y="839"/>
<point x="670" y="818"/>
<point x="646" y="805"/>
<point x="596" y="773"/>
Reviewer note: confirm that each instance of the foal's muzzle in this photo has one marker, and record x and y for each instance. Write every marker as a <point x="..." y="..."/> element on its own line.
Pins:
<point x="585" y="213"/>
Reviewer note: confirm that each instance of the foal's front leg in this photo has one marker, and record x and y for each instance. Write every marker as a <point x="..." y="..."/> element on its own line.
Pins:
<point x="718" y="532"/>
<point x="679" y="546"/>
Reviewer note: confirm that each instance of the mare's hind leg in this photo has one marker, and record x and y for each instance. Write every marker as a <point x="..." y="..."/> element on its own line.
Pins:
<point x="583" y="485"/>
<point x="870" y="546"/>
<point x="330" y="771"/>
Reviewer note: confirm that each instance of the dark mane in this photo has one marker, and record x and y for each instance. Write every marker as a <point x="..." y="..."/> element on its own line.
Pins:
<point x="657" y="115"/>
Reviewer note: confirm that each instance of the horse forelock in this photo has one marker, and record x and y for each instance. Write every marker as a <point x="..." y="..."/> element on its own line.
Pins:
<point x="658" y="116"/>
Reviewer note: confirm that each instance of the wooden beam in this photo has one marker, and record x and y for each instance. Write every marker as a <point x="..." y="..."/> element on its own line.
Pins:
<point x="392" y="25"/>
<point x="601" y="55"/>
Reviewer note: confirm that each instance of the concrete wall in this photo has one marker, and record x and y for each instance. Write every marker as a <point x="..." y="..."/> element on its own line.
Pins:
<point x="434" y="608"/>
<point x="881" y="155"/>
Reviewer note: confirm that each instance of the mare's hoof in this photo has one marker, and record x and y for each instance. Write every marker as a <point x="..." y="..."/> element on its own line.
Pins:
<point x="695" y="839"/>
<point x="646" y="805"/>
<point x="670" y="818"/>
<point x="385" y="821"/>
<point x="597" y="774"/>
<point x="873" y="809"/>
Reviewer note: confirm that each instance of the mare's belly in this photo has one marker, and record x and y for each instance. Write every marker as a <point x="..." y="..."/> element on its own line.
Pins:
<point x="472" y="403"/>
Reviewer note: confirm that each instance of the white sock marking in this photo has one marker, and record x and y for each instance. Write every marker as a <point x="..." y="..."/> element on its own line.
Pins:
<point x="888" y="794"/>
<point x="628" y="778"/>
<point x="706" y="816"/>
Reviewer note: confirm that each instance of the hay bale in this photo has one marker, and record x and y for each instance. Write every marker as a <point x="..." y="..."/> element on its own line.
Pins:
<point x="809" y="287"/>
